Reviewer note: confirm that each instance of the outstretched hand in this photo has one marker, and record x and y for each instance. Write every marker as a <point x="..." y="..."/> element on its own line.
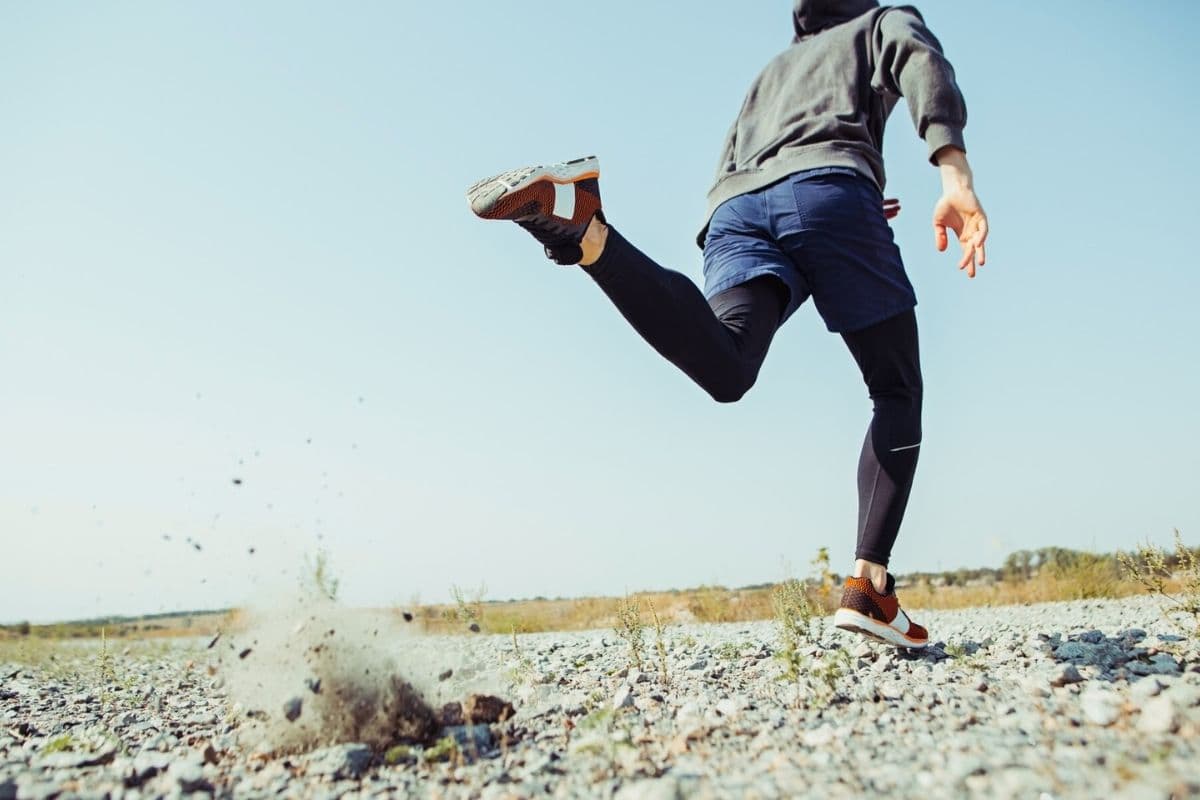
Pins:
<point x="960" y="211"/>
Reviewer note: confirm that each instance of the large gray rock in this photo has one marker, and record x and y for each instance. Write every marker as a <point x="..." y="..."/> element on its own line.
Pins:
<point x="1105" y="654"/>
<point x="473" y="741"/>
<point x="1158" y="664"/>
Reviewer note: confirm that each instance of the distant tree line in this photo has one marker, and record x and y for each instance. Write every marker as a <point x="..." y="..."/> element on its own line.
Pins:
<point x="113" y="625"/>
<point x="1023" y="565"/>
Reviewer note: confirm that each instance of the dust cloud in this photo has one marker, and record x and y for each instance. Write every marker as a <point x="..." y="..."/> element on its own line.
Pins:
<point x="303" y="672"/>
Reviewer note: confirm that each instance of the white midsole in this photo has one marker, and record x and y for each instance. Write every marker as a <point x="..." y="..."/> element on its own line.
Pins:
<point x="848" y="618"/>
<point x="558" y="173"/>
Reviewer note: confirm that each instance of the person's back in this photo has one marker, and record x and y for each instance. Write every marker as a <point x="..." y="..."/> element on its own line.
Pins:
<point x="796" y="211"/>
<point x="824" y="101"/>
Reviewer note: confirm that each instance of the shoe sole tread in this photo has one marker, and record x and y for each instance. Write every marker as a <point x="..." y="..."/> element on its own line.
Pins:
<point x="502" y="196"/>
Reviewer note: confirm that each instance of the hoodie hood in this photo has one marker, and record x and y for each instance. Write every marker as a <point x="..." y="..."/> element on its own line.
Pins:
<point x="810" y="16"/>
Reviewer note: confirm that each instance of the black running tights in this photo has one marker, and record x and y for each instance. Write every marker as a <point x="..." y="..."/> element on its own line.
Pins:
<point x="721" y="343"/>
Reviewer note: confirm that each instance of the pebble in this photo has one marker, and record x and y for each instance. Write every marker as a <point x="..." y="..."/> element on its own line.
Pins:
<point x="1067" y="675"/>
<point x="340" y="761"/>
<point x="1144" y="689"/>
<point x="292" y="708"/>
<point x="1160" y="664"/>
<point x="1158" y="716"/>
<point x="1100" y="706"/>
<point x="189" y="776"/>
<point x="472" y="740"/>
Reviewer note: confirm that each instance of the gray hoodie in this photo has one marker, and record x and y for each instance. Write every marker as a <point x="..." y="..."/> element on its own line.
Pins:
<point x="824" y="100"/>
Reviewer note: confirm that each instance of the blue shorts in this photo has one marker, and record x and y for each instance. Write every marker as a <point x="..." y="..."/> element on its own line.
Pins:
<point x="823" y="233"/>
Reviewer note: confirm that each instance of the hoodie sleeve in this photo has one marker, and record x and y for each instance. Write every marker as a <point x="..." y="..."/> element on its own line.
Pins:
<point x="909" y="63"/>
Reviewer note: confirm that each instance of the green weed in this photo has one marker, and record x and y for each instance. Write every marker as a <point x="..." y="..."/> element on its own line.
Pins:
<point x="319" y="576"/>
<point x="61" y="744"/>
<point x="469" y="607"/>
<point x="660" y="643"/>
<point x="1151" y="567"/>
<point x="793" y="615"/>
<point x="630" y="628"/>
<point x="445" y="749"/>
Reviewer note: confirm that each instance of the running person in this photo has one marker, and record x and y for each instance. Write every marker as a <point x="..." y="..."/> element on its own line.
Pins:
<point x="796" y="211"/>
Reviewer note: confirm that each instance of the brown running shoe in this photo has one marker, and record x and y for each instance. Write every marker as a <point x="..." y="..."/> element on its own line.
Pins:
<point x="866" y="611"/>
<point x="554" y="203"/>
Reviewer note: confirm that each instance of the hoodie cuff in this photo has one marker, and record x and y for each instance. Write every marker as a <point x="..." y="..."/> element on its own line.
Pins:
<point x="939" y="135"/>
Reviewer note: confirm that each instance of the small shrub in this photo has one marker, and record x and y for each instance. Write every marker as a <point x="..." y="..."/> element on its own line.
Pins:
<point x="729" y="651"/>
<point x="660" y="642"/>
<point x="630" y="628"/>
<point x="970" y="660"/>
<point x="826" y="580"/>
<point x="793" y="614"/>
<point x="1150" y="566"/>
<point x="104" y="661"/>
<point x="469" y="607"/>
<point x="445" y="749"/>
<point x="400" y="754"/>
<point x="829" y="669"/>
<point x="522" y="667"/>
<point x="62" y="744"/>
<point x="319" y="576"/>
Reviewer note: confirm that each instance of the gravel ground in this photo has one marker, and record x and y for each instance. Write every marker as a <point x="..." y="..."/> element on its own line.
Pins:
<point x="1081" y="699"/>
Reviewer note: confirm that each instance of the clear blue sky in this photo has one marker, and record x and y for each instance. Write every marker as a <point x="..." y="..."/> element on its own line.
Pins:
<point x="229" y="229"/>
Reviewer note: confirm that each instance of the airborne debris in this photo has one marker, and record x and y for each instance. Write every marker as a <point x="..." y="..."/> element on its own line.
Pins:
<point x="486" y="709"/>
<point x="245" y="652"/>
<point x="237" y="481"/>
<point x="214" y="641"/>
<point x="314" y="685"/>
<point x="291" y="709"/>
